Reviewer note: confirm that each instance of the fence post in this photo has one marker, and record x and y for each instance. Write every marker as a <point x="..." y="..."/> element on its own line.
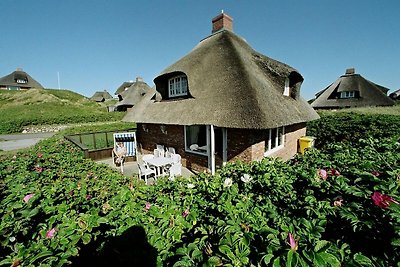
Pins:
<point x="94" y="140"/>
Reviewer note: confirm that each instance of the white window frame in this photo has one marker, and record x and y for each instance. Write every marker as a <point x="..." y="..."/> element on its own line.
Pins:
<point x="187" y="149"/>
<point x="286" y="91"/>
<point x="268" y="143"/>
<point x="178" y="86"/>
<point x="22" y="81"/>
<point x="347" y="94"/>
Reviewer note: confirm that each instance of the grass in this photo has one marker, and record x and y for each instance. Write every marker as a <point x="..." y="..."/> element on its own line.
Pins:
<point x="387" y="110"/>
<point x="48" y="107"/>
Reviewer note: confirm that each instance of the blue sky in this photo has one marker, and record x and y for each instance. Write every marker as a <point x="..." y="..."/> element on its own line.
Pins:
<point x="97" y="44"/>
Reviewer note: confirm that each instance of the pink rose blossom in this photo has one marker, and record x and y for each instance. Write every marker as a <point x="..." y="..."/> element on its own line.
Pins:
<point x="185" y="213"/>
<point x="323" y="174"/>
<point x="39" y="155"/>
<point x="51" y="233"/>
<point x="382" y="200"/>
<point x="292" y="242"/>
<point x="147" y="206"/>
<point x="335" y="172"/>
<point x="27" y="197"/>
<point x="375" y="173"/>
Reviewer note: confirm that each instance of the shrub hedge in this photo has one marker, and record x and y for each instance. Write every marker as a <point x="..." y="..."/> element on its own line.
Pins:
<point x="336" y="207"/>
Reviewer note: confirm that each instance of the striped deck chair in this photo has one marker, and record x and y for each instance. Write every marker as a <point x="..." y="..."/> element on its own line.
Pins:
<point x="129" y="141"/>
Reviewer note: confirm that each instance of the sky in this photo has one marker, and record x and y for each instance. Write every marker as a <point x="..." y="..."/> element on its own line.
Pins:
<point x="95" y="45"/>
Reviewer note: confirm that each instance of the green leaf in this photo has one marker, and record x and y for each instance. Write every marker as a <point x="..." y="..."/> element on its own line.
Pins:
<point x="102" y="220"/>
<point x="320" y="245"/>
<point x="362" y="260"/>
<point x="214" y="261"/>
<point x="277" y="262"/>
<point x="289" y="258"/>
<point x="40" y="255"/>
<point x="329" y="258"/>
<point x="396" y="242"/>
<point x="86" y="238"/>
<point x="267" y="258"/>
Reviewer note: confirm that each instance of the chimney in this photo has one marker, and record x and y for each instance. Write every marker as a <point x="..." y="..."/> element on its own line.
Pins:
<point x="139" y="79"/>
<point x="350" y="71"/>
<point x="19" y="69"/>
<point x="222" y="22"/>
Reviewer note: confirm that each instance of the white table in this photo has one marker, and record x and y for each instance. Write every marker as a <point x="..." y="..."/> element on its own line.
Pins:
<point x="159" y="163"/>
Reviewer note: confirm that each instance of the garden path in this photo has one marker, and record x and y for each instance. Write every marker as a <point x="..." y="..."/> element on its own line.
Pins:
<point x="18" y="141"/>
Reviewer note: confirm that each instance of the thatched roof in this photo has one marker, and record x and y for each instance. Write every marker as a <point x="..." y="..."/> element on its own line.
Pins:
<point x="134" y="93"/>
<point x="19" y="74"/>
<point x="123" y="87"/>
<point x="366" y="93"/>
<point x="101" y="96"/>
<point x="230" y="85"/>
<point x="395" y="95"/>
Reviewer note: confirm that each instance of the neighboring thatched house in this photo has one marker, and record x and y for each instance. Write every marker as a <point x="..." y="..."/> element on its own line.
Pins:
<point x="224" y="102"/>
<point x="133" y="95"/>
<point x="395" y="95"/>
<point x="18" y="80"/>
<point x="101" y="96"/>
<point x="122" y="89"/>
<point x="351" y="90"/>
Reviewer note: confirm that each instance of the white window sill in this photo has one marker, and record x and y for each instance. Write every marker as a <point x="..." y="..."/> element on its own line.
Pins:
<point x="272" y="151"/>
<point x="196" y="152"/>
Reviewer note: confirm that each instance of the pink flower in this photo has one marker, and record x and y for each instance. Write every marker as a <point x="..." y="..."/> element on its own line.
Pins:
<point x="185" y="213"/>
<point x="51" y="233"/>
<point x="375" y="173"/>
<point x="147" y="206"/>
<point x="88" y="197"/>
<point x="27" y="197"/>
<point x="39" y="155"/>
<point x="382" y="200"/>
<point x="38" y="168"/>
<point x="322" y="173"/>
<point x="338" y="202"/>
<point x="292" y="242"/>
<point x="335" y="172"/>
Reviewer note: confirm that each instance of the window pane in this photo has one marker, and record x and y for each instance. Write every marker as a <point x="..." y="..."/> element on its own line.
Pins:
<point x="196" y="138"/>
<point x="280" y="136"/>
<point x="273" y="138"/>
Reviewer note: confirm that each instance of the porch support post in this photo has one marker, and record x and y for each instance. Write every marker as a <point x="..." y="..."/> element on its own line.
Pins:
<point x="212" y="149"/>
<point x="224" y="146"/>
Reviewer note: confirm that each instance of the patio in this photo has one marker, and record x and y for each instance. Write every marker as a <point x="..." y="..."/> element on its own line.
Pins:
<point x="131" y="168"/>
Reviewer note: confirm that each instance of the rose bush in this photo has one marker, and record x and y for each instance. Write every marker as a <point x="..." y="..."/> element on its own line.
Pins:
<point x="331" y="207"/>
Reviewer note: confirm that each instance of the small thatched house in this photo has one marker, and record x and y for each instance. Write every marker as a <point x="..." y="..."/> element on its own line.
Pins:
<point x="351" y="90"/>
<point x="133" y="94"/>
<point x="18" y="80"/>
<point x="395" y="95"/>
<point x="101" y="96"/>
<point x="122" y="89"/>
<point x="224" y="102"/>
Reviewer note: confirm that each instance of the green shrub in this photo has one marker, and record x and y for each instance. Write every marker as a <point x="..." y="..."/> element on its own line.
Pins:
<point x="240" y="217"/>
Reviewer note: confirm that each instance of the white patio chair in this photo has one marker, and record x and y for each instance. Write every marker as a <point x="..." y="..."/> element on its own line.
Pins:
<point x="176" y="158"/>
<point x="171" y="150"/>
<point x="175" y="170"/>
<point x="160" y="147"/>
<point x="145" y="171"/>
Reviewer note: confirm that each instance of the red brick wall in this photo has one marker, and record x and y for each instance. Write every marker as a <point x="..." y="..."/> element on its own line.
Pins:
<point x="244" y="145"/>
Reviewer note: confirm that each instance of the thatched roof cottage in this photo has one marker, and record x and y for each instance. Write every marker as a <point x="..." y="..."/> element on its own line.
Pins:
<point x="121" y="90"/>
<point x="18" y="80"/>
<point x="351" y="90"/>
<point x="133" y="94"/>
<point x="395" y="95"/>
<point x="101" y="96"/>
<point x="224" y="102"/>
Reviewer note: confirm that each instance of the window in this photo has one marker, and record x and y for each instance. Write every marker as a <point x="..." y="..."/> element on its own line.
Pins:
<point x="347" y="94"/>
<point x="178" y="86"/>
<point x="275" y="139"/>
<point x="196" y="139"/>
<point x="286" y="92"/>
<point x="21" y="81"/>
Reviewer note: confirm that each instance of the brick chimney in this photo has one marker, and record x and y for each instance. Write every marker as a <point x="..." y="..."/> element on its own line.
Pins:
<point x="350" y="71"/>
<point x="222" y="22"/>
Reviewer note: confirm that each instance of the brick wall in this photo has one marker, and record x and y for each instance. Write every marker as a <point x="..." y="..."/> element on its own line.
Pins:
<point x="244" y="145"/>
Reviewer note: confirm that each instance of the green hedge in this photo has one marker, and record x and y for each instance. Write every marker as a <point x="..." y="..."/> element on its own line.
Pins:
<point x="351" y="127"/>
<point x="333" y="208"/>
